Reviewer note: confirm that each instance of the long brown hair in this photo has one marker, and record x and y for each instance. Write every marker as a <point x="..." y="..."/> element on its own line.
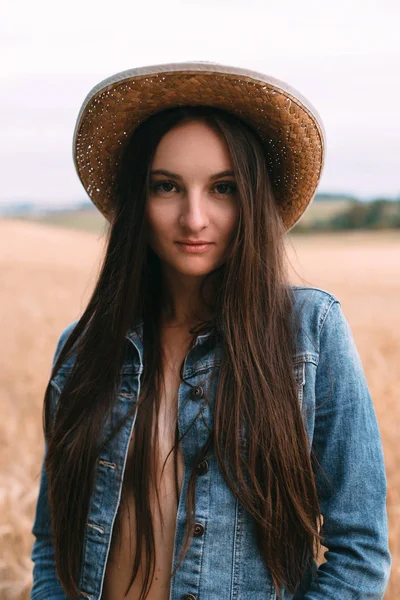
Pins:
<point x="253" y="306"/>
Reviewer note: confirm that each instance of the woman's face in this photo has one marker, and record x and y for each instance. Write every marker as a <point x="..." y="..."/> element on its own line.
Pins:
<point x="191" y="200"/>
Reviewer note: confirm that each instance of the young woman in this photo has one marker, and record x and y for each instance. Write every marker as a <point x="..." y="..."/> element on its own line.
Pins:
<point x="207" y="425"/>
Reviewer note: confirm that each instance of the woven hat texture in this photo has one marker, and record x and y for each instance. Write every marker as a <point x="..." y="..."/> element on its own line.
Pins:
<point x="289" y="126"/>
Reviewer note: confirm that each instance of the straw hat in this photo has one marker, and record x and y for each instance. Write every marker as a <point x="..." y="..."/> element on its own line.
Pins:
<point x="288" y="124"/>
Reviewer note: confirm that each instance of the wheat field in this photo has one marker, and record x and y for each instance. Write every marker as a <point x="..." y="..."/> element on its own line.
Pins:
<point x="47" y="274"/>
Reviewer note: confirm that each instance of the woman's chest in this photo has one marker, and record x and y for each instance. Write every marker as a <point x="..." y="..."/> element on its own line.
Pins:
<point x="186" y="408"/>
<point x="165" y="481"/>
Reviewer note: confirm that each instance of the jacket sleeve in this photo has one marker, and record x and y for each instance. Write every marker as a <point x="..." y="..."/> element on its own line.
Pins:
<point x="352" y="487"/>
<point x="46" y="585"/>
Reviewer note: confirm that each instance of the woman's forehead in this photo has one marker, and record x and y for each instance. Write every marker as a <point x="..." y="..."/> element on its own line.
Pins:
<point x="185" y="151"/>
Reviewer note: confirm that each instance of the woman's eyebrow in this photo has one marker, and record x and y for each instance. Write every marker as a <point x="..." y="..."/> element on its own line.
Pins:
<point x="175" y="176"/>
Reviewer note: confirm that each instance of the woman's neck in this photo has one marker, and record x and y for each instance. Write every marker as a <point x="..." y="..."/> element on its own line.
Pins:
<point x="184" y="305"/>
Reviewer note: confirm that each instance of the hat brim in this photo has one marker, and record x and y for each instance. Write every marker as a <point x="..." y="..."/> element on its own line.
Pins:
<point x="289" y="126"/>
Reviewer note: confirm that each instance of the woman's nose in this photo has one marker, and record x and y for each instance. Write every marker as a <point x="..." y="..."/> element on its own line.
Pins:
<point x="194" y="211"/>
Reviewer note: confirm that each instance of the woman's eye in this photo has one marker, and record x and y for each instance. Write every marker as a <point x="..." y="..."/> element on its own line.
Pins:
<point x="156" y="187"/>
<point x="225" y="185"/>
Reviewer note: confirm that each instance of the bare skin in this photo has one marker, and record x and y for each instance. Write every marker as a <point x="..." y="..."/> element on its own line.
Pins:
<point x="176" y="341"/>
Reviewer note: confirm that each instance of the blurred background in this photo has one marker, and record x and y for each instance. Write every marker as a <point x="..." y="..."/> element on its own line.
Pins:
<point x="343" y="56"/>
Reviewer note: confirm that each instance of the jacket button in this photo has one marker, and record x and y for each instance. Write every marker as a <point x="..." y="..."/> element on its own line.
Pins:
<point x="202" y="467"/>
<point x="197" y="392"/>
<point x="188" y="597"/>
<point x="198" y="529"/>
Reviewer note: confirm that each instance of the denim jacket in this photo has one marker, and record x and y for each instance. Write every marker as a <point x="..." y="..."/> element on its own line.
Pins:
<point x="223" y="562"/>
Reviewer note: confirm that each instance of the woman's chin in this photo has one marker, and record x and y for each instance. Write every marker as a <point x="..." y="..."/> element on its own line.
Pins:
<point x="194" y="270"/>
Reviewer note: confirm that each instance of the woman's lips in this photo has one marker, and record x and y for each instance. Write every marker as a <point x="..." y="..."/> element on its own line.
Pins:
<point x="194" y="248"/>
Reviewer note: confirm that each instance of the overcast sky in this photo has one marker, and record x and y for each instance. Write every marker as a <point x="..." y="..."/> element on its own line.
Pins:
<point x="343" y="56"/>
